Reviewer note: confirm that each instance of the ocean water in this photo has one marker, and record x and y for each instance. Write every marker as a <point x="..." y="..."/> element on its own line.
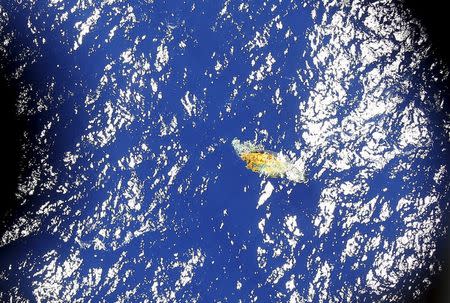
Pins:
<point x="130" y="189"/>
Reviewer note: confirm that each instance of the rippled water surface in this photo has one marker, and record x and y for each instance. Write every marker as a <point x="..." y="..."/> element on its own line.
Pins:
<point x="130" y="189"/>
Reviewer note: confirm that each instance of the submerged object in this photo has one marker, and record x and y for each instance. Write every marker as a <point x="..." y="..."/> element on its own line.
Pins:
<point x="268" y="163"/>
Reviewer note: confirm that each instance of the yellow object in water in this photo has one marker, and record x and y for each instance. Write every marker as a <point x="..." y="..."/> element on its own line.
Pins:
<point x="264" y="162"/>
<point x="268" y="163"/>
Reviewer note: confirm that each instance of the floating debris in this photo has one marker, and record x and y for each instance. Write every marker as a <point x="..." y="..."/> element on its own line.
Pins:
<point x="268" y="163"/>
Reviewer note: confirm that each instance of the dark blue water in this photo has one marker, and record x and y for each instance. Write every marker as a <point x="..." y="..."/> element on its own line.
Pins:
<point x="128" y="195"/>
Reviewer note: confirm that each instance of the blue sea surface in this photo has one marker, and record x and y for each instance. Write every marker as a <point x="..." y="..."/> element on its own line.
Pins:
<point x="130" y="189"/>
